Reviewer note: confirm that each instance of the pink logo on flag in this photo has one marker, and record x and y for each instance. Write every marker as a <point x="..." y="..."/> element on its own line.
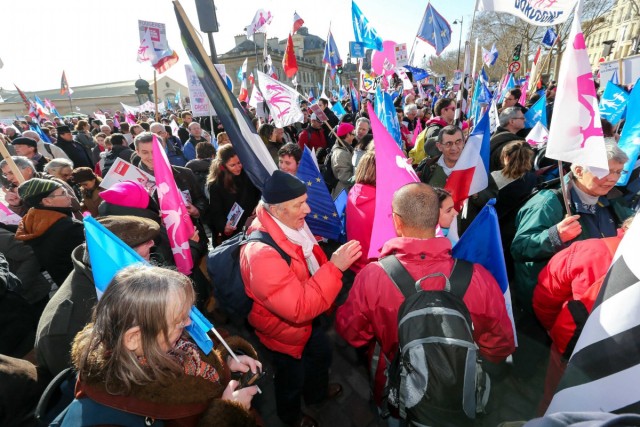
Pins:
<point x="392" y="172"/>
<point x="174" y="213"/>
<point x="577" y="138"/>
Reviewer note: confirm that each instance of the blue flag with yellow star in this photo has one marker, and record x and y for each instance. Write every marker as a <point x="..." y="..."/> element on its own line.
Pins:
<point x="434" y="30"/>
<point x="323" y="220"/>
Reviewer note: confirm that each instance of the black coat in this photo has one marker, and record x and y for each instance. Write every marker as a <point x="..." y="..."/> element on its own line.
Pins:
<point x="221" y="201"/>
<point x="77" y="153"/>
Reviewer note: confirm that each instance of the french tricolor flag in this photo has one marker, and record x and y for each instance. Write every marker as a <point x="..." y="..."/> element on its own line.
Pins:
<point x="244" y="93"/>
<point x="470" y="173"/>
<point x="297" y="22"/>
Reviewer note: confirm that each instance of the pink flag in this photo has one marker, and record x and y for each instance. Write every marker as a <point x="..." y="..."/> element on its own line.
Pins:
<point x="577" y="138"/>
<point x="470" y="173"/>
<point x="523" y="97"/>
<point x="416" y="131"/>
<point x="392" y="172"/>
<point x="116" y="121"/>
<point x="130" y="118"/>
<point x="175" y="217"/>
<point x="8" y="217"/>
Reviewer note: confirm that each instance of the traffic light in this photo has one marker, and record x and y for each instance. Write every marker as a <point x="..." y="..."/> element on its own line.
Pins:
<point x="516" y="52"/>
<point x="339" y="69"/>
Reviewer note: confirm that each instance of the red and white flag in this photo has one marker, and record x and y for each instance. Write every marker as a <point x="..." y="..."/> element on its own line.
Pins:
<point x="577" y="138"/>
<point x="297" y="22"/>
<point x="244" y="93"/>
<point x="470" y="173"/>
<point x="532" y="75"/>
<point x="175" y="216"/>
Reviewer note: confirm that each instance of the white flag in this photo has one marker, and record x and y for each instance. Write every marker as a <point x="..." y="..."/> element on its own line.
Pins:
<point x="281" y="99"/>
<point x="577" y="136"/>
<point x="260" y="22"/>
<point x="538" y="136"/>
<point x="146" y="51"/>
<point x="493" y="116"/>
<point x="536" y="12"/>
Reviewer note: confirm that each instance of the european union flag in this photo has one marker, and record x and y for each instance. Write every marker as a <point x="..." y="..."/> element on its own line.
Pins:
<point x="537" y="113"/>
<point x="613" y="103"/>
<point x="434" y="30"/>
<point x="417" y="73"/>
<point x="549" y="38"/>
<point x="363" y="30"/>
<point x="630" y="132"/>
<point x="323" y="220"/>
<point x="331" y="55"/>
<point x="386" y="112"/>
<point x="108" y="255"/>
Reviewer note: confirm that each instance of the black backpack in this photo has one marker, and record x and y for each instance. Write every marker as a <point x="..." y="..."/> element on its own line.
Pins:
<point x="436" y="377"/>
<point x="327" y="172"/>
<point x="223" y="265"/>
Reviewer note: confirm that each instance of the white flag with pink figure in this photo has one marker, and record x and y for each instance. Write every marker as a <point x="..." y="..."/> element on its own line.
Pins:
<point x="281" y="99"/>
<point x="575" y="135"/>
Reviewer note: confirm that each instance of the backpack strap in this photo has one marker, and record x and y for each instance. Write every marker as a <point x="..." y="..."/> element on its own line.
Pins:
<point x="264" y="237"/>
<point x="398" y="275"/>
<point x="460" y="277"/>
<point x="46" y="147"/>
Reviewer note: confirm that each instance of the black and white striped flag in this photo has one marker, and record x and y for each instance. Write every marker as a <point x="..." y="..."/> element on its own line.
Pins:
<point x="603" y="373"/>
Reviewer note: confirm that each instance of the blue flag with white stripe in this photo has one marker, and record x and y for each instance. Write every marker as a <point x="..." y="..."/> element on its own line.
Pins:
<point x="363" y="30"/>
<point x="386" y="112"/>
<point x="613" y="103"/>
<point x="537" y="113"/>
<point x="338" y="109"/>
<point x="630" y="135"/>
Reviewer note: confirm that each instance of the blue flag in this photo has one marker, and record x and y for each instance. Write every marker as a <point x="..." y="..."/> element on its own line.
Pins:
<point x="341" y="207"/>
<point x="481" y="244"/>
<point x="177" y="98"/>
<point x="630" y="134"/>
<point x="613" y="103"/>
<point x="312" y="96"/>
<point x="331" y="55"/>
<point x="108" y="255"/>
<point x="386" y="112"/>
<point x="343" y="93"/>
<point x="353" y="98"/>
<point x="323" y="220"/>
<point x="484" y="78"/>
<point x="338" y="109"/>
<point x="417" y="73"/>
<point x="169" y="106"/>
<point x="511" y="83"/>
<point x="549" y="38"/>
<point x="537" y="113"/>
<point x="614" y="78"/>
<point x="434" y="30"/>
<point x="36" y="128"/>
<point x="481" y="95"/>
<point x="363" y="30"/>
<point x="253" y="154"/>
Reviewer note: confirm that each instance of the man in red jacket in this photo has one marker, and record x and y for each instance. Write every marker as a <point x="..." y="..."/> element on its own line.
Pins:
<point x="370" y="314"/>
<point x="289" y="297"/>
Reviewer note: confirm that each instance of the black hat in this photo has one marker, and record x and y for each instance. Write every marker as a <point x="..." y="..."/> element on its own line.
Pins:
<point x="63" y="129"/>
<point x="25" y="141"/>
<point x="282" y="187"/>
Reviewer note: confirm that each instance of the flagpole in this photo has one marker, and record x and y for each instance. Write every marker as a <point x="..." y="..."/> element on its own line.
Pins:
<point x="12" y="165"/>
<point x="155" y="94"/>
<point x="324" y="78"/>
<point x="563" y="186"/>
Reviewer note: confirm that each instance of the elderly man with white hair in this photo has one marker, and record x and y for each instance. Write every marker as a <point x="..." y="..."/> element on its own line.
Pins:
<point x="51" y="151"/>
<point x="544" y="228"/>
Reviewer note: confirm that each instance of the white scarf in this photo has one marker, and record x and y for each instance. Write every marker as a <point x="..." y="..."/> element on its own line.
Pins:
<point x="447" y="170"/>
<point x="303" y="238"/>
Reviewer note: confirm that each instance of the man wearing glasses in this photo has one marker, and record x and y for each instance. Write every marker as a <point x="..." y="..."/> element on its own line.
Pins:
<point x="445" y="110"/>
<point x="436" y="171"/>
<point x="511" y="122"/>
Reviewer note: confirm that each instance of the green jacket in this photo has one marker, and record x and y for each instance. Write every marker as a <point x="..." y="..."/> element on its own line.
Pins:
<point x="537" y="239"/>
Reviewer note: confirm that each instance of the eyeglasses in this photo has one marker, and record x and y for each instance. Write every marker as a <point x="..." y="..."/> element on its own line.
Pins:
<point x="449" y="144"/>
<point x="518" y="118"/>
<point x="65" y="193"/>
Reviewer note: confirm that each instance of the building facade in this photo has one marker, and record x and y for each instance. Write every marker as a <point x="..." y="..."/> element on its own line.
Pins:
<point x="618" y="37"/>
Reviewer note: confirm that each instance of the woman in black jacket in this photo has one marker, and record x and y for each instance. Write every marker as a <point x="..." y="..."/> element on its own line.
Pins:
<point x="229" y="184"/>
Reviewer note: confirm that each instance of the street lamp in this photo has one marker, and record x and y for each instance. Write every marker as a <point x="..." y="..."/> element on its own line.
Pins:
<point x="456" y="22"/>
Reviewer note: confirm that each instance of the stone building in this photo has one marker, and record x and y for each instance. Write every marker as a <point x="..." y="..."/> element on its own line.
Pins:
<point x="622" y="27"/>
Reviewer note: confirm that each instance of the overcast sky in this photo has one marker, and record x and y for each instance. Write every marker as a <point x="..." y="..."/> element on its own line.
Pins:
<point x="97" y="41"/>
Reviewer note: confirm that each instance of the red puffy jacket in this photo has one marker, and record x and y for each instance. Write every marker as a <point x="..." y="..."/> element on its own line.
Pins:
<point x="568" y="286"/>
<point x="370" y="313"/>
<point x="286" y="298"/>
